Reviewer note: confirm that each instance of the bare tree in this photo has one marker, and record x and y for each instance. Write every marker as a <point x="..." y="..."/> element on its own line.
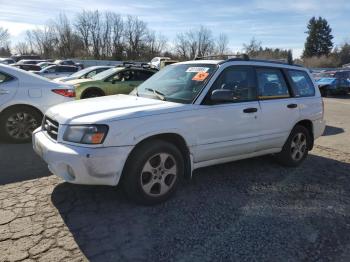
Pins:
<point x="135" y="33"/>
<point x="22" y="48"/>
<point x="155" y="44"/>
<point x="43" y="40"/>
<point x="4" y="37"/>
<point x="222" y="44"/>
<point x="194" y="43"/>
<point x="82" y="27"/>
<point x="117" y="36"/>
<point x="181" y="46"/>
<point x="66" y="38"/>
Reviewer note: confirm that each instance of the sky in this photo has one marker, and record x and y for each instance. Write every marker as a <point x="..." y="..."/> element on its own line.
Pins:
<point x="276" y="23"/>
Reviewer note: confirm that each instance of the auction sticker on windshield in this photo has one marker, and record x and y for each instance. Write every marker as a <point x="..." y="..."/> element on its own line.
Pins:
<point x="200" y="76"/>
<point x="197" y="69"/>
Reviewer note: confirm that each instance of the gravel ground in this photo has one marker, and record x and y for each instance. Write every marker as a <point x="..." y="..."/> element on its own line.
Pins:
<point x="247" y="210"/>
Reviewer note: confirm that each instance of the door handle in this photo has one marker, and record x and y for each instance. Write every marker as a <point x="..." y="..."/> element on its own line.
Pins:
<point x="292" y="106"/>
<point x="4" y="92"/>
<point x="250" y="110"/>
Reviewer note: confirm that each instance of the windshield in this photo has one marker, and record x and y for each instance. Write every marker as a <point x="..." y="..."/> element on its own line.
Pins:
<point x="177" y="83"/>
<point x="327" y="80"/>
<point x="106" y="73"/>
<point x="81" y="72"/>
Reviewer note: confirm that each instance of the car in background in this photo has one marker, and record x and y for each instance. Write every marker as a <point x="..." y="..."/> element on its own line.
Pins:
<point x="155" y="62"/>
<point x="164" y="63"/>
<point x="69" y="63"/>
<point x="45" y="64"/>
<point x="118" y="80"/>
<point x="21" y="57"/>
<point x="24" y="98"/>
<point x="55" y="71"/>
<point x="333" y="86"/>
<point x="86" y="73"/>
<point x="7" y="61"/>
<point x="27" y="67"/>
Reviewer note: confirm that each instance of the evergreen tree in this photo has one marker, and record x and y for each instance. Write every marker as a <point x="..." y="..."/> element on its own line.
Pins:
<point x="319" y="40"/>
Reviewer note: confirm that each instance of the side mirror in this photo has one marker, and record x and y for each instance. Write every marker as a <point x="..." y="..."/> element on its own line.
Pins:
<point x="223" y="95"/>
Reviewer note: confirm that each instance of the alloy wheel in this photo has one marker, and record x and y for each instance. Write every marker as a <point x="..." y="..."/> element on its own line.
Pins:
<point x="158" y="174"/>
<point x="21" y="125"/>
<point x="298" y="146"/>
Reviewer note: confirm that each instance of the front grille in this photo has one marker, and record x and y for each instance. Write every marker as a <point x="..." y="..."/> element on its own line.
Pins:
<point x="51" y="127"/>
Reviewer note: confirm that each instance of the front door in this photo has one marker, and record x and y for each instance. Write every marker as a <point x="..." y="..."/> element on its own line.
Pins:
<point x="229" y="129"/>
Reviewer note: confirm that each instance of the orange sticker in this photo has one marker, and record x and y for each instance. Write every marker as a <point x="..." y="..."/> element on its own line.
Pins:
<point x="200" y="76"/>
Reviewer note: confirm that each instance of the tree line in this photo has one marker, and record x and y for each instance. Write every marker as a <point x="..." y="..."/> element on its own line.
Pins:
<point x="108" y="35"/>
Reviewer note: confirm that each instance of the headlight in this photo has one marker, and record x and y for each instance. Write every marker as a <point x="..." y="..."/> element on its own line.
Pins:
<point x="87" y="134"/>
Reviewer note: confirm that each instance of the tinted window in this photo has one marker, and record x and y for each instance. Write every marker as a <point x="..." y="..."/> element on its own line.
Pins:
<point x="302" y="83"/>
<point x="5" y="78"/>
<point x="51" y="70"/>
<point x="143" y="75"/>
<point x="66" y="69"/>
<point x="271" y="84"/>
<point x="240" y="80"/>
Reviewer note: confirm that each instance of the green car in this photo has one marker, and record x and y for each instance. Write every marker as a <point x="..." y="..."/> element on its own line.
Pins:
<point x="117" y="80"/>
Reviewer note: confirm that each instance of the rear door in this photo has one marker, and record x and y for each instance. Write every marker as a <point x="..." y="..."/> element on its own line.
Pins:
<point x="309" y="103"/>
<point x="279" y="108"/>
<point x="8" y="88"/>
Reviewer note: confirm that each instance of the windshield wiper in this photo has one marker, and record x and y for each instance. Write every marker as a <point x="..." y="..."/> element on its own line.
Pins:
<point x="157" y="93"/>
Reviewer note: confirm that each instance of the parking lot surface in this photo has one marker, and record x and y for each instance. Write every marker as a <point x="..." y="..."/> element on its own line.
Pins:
<point x="247" y="210"/>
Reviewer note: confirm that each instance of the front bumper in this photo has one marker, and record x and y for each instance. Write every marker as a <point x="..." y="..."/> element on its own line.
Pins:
<point x="81" y="165"/>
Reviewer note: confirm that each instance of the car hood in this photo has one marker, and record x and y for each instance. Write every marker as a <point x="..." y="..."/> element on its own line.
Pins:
<point x="110" y="108"/>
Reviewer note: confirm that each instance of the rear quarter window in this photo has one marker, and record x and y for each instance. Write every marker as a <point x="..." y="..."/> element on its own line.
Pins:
<point x="301" y="83"/>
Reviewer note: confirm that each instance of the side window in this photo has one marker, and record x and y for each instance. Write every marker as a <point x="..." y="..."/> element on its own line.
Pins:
<point x="271" y="84"/>
<point x="302" y="84"/>
<point x="128" y="76"/>
<point x="4" y="78"/>
<point x="91" y="74"/>
<point x="50" y="70"/>
<point x="240" y="80"/>
<point x="142" y="75"/>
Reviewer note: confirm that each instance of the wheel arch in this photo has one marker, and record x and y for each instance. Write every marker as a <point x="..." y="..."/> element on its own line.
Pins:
<point x="309" y="126"/>
<point x="92" y="88"/>
<point x="173" y="138"/>
<point x="22" y="105"/>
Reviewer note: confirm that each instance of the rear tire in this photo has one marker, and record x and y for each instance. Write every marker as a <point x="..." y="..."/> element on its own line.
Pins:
<point x="92" y="93"/>
<point x="17" y="124"/>
<point x="152" y="172"/>
<point x="296" y="148"/>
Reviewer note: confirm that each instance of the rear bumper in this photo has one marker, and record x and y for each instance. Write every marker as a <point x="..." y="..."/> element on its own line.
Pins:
<point x="81" y="165"/>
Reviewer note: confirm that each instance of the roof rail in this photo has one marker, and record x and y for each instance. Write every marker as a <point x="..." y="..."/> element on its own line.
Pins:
<point x="134" y="64"/>
<point x="224" y="57"/>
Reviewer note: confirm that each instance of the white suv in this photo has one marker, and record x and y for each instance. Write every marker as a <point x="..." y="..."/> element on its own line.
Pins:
<point x="188" y="115"/>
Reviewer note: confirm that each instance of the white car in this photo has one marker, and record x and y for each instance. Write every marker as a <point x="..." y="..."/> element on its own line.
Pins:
<point x="85" y="73"/>
<point x="188" y="115"/>
<point x="56" y="71"/>
<point x="24" y="98"/>
<point x="7" y="61"/>
<point x="155" y="62"/>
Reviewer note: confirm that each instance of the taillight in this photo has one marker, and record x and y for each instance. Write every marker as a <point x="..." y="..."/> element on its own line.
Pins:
<point x="64" y="92"/>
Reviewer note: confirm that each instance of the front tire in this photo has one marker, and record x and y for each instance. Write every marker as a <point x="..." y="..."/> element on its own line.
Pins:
<point x="296" y="148"/>
<point x="153" y="172"/>
<point x="17" y="124"/>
